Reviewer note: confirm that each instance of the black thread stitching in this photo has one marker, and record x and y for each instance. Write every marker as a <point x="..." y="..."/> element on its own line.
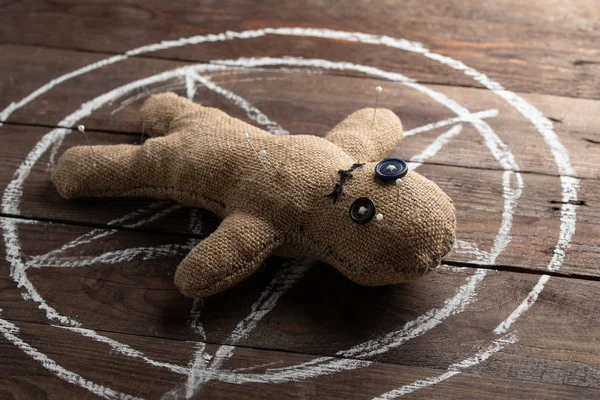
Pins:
<point x="345" y="176"/>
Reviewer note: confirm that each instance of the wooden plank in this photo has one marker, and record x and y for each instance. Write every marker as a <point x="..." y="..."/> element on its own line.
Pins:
<point x="307" y="103"/>
<point x="102" y="292"/>
<point x="94" y="363"/>
<point x="477" y="195"/>
<point x="141" y="337"/>
<point x="134" y="302"/>
<point x="533" y="48"/>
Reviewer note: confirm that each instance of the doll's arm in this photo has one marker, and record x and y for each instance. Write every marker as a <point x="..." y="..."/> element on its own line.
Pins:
<point x="124" y="169"/>
<point x="231" y="253"/>
<point x="366" y="138"/>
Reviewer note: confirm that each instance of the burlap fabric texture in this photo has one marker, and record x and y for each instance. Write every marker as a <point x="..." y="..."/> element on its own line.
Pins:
<point x="198" y="156"/>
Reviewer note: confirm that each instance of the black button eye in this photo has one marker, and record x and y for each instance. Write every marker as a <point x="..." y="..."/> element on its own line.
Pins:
<point x="391" y="168"/>
<point x="362" y="210"/>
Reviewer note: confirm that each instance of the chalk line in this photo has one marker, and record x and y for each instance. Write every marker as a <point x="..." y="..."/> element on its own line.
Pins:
<point x="96" y="103"/>
<point x="523" y="306"/>
<point x="12" y="107"/>
<point x="19" y="276"/>
<point x="252" y="112"/>
<point x="433" y="148"/>
<point x="146" y="93"/>
<point x="257" y="366"/>
<point x="199" y="359"/>
<point x="451" y="121"/>
<point x="569" y="184"/>
<point x="112" y="257"/>
<point x="408" y="333"/>
<point x="92" y="235"/>
<point x="195" y="372"/>
<point x="282" y="282"/>
<point x="329" y="365"/>
<point x="11" y="331"/>
<point x="453" y="370"/>
<point x="18" y="269"/>
<point x="496" y="146"/>
<point x="195" y="320"/>
<point x="567" y="230"/>
<point x="281" y="375"/>
<point x="124" y="349"/>
<point x="471" y="248"/>
<point x="452" y="268"/>
<point x="464" y="296"/>
<point x="543" y="125"/>
<point x="191" y="78"/>
<point x="415" y="328"/>
<point x="190" y="87"/>
<point x="318" y="63"/>
<point x="253" y="62"/>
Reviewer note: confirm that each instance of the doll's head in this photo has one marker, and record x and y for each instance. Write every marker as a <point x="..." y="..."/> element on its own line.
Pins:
<point x="379" y="230"/>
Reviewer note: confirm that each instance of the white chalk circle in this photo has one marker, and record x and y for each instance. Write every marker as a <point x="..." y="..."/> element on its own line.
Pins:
<point x="324" y="365"/>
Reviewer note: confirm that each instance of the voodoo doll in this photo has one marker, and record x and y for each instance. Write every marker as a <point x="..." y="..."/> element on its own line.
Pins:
<point x="332" y="199"/>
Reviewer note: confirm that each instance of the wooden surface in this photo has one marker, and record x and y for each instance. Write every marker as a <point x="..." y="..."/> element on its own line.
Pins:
<point x="508" y="315"/>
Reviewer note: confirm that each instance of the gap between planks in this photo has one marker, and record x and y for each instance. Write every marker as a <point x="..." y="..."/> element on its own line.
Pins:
<point x="217" y="343"/>
<point x="471" y="167"/>
<point x="459" y="264"/>
<point x="185" y="61"/>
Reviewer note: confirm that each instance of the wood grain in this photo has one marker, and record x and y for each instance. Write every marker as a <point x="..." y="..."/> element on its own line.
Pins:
<point x="136" y="303"/>
<point x="305" y="103"/>
<point x="476" y="194"/>
<point x="29" y="380"/>
<point x="118" y="282"/>
<point x="537" y="47"/>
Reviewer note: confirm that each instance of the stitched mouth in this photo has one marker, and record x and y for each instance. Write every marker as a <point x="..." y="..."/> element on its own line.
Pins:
<point x="345" y="176"/>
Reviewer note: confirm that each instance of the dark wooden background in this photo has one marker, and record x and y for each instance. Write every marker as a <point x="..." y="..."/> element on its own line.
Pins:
<point x="548" y="52"/>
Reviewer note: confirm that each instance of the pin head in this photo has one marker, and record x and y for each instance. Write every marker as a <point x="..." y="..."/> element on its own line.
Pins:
<point x="379" y="217"/>
<point x="246" y="136"/>
<point x="398" y="181"/>
<point x="81" y="128"/>
<point x="379" y="89"/>
<point x="262" y="153"/>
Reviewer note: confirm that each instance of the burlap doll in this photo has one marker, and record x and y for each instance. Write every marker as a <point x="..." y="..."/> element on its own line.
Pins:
<point x="330" y="198"/>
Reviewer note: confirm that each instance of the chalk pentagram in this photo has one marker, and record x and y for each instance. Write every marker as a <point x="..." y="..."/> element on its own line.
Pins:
<point x="428" y="320"/>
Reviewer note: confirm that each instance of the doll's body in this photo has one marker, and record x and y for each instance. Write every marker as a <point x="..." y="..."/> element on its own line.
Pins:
<point x="201" y="157"/>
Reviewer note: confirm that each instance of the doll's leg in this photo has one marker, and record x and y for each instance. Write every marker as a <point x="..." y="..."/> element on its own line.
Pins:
<point x="167" y="113"/>
<point x="120" y="170"/>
